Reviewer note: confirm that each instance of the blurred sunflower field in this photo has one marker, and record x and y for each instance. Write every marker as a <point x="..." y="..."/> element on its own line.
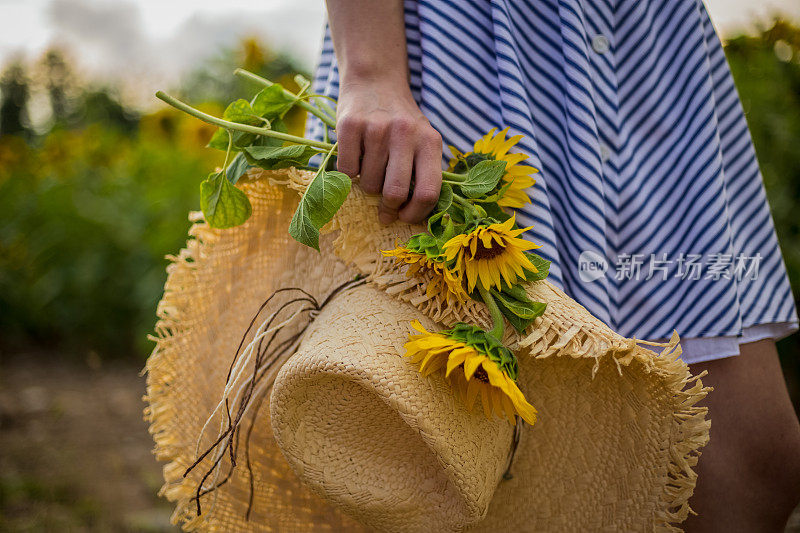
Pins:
<point x="92" y="204"/>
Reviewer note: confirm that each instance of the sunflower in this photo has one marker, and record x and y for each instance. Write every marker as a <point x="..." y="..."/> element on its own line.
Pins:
<point x="441" y="280"/>
<point x="489" y="252"/>
<point x="476" y="364"/>
<point x="495" y="146"/>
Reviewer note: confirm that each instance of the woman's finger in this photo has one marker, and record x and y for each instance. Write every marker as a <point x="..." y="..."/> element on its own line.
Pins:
<point x="348" y="152"/>
<point x="427" y="178"/>
<point x="375" y="157"/>
<point x="398" y="177"/>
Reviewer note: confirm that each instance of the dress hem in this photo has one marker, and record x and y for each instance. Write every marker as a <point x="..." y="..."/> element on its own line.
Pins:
<point x="702" y="349"/>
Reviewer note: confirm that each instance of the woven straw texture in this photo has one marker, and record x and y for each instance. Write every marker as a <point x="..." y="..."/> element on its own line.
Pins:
<point x="617" y="437"/>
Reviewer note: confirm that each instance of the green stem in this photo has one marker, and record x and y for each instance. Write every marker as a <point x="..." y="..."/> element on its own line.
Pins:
<point x="303" y="84"/>
<point x="228" y="153"/>
<point x="332" y="151"/>
<point x="266" y="132"/>
<point x="324" y="106"/>
<point x="476" y="210"/>
<point x="494" y="311"/>
<point x="452" y="177"/>
<point x="301" y="81"/>
<point x="324" y="164"/>
<point x="301" y="103"/>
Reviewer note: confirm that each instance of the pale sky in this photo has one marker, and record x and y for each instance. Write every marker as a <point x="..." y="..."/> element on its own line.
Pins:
<point x="154" y="41"/>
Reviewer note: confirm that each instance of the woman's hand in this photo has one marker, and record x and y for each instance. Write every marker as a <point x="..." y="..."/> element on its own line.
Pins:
<point x="384" y="137"/>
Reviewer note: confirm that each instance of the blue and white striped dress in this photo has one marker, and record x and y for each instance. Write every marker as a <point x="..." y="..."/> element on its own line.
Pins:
<point x="649" y="201"/>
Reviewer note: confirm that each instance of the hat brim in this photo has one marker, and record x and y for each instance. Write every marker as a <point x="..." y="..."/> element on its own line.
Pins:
<point x="618" y="432"/>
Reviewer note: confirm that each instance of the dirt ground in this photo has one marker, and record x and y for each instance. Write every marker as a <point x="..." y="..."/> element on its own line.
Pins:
<point x="75" y="454"/>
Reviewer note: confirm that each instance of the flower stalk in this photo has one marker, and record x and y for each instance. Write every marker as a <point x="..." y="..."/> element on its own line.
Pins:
<point x="266" y="132"/>
<point x="453" y="178"/>
<point x="325" y="161"/>
<point x="498" y="325"/>
<point x="320" y="100"/>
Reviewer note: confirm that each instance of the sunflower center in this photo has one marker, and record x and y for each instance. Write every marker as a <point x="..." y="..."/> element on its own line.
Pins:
<point x="482" y="252"/>
<point x="481" y="375"/>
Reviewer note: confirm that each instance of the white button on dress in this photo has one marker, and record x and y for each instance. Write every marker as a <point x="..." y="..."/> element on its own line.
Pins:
<point x="605" y="152"/>
<point x="600" y="44"/>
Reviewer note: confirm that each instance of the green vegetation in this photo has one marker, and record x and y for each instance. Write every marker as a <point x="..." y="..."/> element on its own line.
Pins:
<point x="93" y="204"/>
<point x="766" y="68"/>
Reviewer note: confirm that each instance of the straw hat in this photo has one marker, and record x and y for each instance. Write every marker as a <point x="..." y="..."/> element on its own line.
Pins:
<point x="329" y="428"/>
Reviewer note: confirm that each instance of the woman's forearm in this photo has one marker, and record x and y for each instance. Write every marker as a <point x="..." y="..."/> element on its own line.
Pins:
<point x="369" y="39"/>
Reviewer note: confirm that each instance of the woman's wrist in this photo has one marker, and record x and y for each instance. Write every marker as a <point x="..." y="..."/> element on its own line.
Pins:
<point x="378" y="72"/>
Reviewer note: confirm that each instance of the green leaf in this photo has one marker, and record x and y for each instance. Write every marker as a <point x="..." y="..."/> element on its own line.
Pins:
<point x="435" y="224"/>
<point x="302" y="229"/>
<point x="520" y="312"/>
<point x="445" y="198"/>
<point x="325" y="195"/>
<point x="442" y="227"/>
<point x="542" y="266"/>
<point x="450" y="230"/>
<point x="482" y="178"/>
<point x="239" y="111"/>
<point x="515" y="291"/>
<point x="223" y="205"/>
<point x="498" y="194"/>
<point x="274" y="157"/>
<point x="523" y="308"/>
<point x="219" y="140"/>
<point x="271" y="102"/>
<point x="519" y="324"/>
<point x="237" y="168"/>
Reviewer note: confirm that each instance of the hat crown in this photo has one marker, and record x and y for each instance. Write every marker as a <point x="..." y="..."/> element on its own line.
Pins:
<point x="363" y="428"/>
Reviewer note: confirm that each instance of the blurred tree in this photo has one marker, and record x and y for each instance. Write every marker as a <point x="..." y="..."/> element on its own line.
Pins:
<point x="15" y="94"/>
<point x="57" y="77"/>
<point x="214" y="83"/>
<point x="101" y="106"/>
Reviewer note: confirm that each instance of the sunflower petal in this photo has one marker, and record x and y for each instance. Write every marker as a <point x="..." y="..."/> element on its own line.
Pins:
<point x="472" y="363"/>
<point x="457" y="358"/>
<point x="473" y="389"/>
<point x="508" y="407"/>
<point x="486" y="402"/>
